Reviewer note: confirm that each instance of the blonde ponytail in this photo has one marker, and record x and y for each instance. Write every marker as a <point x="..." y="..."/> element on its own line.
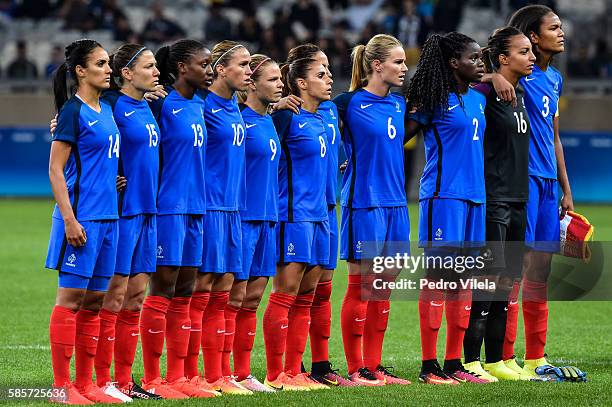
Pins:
<point x="377" y="48"/>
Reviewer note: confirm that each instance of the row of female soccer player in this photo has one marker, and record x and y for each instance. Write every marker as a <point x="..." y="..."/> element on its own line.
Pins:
<point x="216" y="196"/>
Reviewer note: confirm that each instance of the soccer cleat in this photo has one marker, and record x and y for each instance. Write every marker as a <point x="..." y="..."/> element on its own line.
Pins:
<point x="228" y="385"/>
<point x="476" y="368"/>
<point x="192" y="389"/>
<point x="532" y="364"/>
<point x="111" y="390"/>
<point x="511" y="363"/>
<point x="134" y="391"/>
<point x="503" y="372"/>
<point x="364" y="377"/>
<point x="435" y="375"/>
<point x="383" y="373"/>
<point x="284" y="382"/>
<point x="304" y="379"/>
<point x="203" y="385"/>
<point x="251" y="383"/>
<point x="68" y="394"/>
<point x="329" y="376"/>
<point x="465" y="376"/>
<point x="161" y="388"/>
<point x="95" y="394"/>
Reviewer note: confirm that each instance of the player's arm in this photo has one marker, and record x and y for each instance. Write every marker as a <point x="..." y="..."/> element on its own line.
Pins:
<point x="412" y="128"/>
<point x="567" y="202"/>
<point x="290" y="102"/>
<point x="503" y="88"/>
<point x="60" y="152"/>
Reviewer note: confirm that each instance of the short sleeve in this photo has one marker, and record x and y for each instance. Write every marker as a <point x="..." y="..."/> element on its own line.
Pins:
<point x="68" y="123"/>
<point x="342" y="101"/>
<point x="282" y="122"/>
<point x="110" y="97"/>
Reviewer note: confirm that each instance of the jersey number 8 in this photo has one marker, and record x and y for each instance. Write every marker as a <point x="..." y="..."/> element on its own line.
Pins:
<point x="323" y="146"/>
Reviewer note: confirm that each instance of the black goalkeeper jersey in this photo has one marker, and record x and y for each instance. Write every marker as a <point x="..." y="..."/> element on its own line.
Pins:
<point x="506" y="147"/>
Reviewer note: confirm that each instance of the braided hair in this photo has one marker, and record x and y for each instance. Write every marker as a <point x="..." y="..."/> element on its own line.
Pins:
<point x="499" y="44"/>
<point x="433" y="80"/>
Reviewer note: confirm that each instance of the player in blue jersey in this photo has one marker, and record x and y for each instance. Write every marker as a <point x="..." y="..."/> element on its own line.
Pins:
<point x="303" y="229"/>
<point x="547" y="173"/>
<point x="452" y="194"/>
<point x="83" y="243"/>
<point x="225" y="193"/>
<point x="506" y="148"/>
<point x="374" y="210"/>
<point x="258" y="217"/>
<point x="320" y="312"/>
<point x="181" y="204"/>
<point x="134" y="73"/>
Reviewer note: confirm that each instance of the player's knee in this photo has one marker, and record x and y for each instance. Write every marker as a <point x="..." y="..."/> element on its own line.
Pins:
<point x="323" y="291"/>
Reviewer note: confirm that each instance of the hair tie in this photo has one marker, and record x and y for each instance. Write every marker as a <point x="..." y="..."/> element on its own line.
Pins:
<point x="260" y="64"/>
<point x="134" y="57"/>
<point x="225" y="53"/>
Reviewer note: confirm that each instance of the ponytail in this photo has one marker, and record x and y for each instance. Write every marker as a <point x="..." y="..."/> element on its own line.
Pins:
<point x="284" y="68"/>
<point x="169" y="56"/>
<point x="359" y="71"/>
<point x="290" y="73"/>
<point x="60" y="87"/>
<point x="161" y="56"/>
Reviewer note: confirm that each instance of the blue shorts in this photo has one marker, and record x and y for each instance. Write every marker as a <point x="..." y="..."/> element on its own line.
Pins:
<point x="372" y="232"/>
<point x="456" y="223"/>
<point x="136" y="251"/>
<point x="179" y="240"/>
<point x="303" y="242"/>
<point x="333" y="239"/>
<point x="258" y="249"/>
<point x="223" y="243"/>
<point x="543" y="224"/>
<point x="95" y="259"/>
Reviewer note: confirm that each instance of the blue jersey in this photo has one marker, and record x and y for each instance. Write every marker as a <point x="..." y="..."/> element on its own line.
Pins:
<point x="542" y="92"/>
<point x="225" y="179"/>
<point x="139" y="155"/>
<point x="373" y="136"/>
<point x="302" y="167"/>
<point x="91" y="169"/>
<point x="454" y="152"/>
<point x="262" y="156"/>
<point x="329" y="112"/>
<point x="181" y="155"/>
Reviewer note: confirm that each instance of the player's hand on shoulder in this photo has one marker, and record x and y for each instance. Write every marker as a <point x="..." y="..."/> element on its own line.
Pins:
<point x="158" y="93"/>
<point x="503" y="88"/>
<point x="290" y="102"/>
<point x="75" y="233"/>
<point x="121" y="183"/>
<point x="53" y="125"/>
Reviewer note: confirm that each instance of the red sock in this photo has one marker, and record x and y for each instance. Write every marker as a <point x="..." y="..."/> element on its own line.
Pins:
<point x="199" y="300"/>
<point x="178" y="328"/>
<point x="511" y="322"/>
<point x="126" y="334"/>
<point x="275" y="327"/>
<point x="87" y="335"/>
<point x="297" y="333"/>
<point x="62" y="332"/>
<point x="458" y="306"/>
<point x="431" y="308"/>
<point x="213" y="330"/>
<point x="228" y="340"/>
<point x="106" y="346"/>
<point x="377" y="317"/>
<point x="352" y="320"/>
<point x="246" y="326"/>
<point x="320" y="322"/>
<point x="152" y="334"/>
<point x="535" y="314"/>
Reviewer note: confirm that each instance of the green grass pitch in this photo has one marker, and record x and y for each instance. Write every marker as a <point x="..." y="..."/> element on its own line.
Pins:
<point x="579" y="334"/>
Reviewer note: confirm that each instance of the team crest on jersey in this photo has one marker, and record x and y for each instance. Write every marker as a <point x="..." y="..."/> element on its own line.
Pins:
<point x="481" y="108"/>
<point x="290" y="249"/>
<point x="160" y="252"/>
<point x="397" y="107"/>
<point x="438" y="234"/>
<point x="556" y="88"/>
<point x="358" y="246"/>
<point x="71" y="260"/>
<point x="331" y="113"/>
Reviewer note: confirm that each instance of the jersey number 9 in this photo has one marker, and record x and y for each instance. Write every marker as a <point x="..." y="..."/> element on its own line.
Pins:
<point x="273" y="149"/>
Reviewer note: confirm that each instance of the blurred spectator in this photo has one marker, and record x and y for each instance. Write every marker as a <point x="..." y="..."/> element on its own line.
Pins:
<point x="107" y="13"/>
<point x="305" y="20"/>
<point x="368" y="32"/>
<point x="281" y="26"/>
<point x="217" y="27"/>
<point x="76" y="15"/>
<point x="55" y="60"/>
<point x="159" y="28"/>
<point x="340" y="53"/>
<point x="123" y="31"/>
<point x="22" y="67"/>
<point x="361" y="12"/>
<point x="34" y="9"/>
<point x="249" y="29"/>
<point x="269" y="46"/>
<point x="447" y="15"/>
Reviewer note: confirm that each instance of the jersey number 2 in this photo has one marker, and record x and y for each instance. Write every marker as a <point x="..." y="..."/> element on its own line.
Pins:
<point x="475" y="123"/>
